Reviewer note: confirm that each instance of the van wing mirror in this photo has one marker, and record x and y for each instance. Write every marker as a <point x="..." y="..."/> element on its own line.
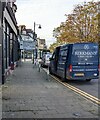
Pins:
<point x="50" y="58"/>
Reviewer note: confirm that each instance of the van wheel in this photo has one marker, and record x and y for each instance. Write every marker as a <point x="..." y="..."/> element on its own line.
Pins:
<point x="63" y="79"/>
<point x="88" y="80"/>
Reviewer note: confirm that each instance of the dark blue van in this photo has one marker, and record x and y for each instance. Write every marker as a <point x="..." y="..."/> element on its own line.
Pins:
<point x="78" y="61"/>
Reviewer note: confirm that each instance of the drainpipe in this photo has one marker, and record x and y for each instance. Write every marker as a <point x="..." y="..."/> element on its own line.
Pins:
<point x="2" y="77"/>
<point x="0" y="42"/>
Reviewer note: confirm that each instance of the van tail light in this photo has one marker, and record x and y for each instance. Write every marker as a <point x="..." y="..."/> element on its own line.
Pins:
<point x="70" y="68"/>
<point x="99" y="67"/>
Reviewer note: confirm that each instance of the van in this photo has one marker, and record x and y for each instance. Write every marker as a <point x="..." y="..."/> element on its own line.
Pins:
<point x="78" y="61"/>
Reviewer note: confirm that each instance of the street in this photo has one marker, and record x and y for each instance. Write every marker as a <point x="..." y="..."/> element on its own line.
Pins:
<point x="61" y="35"/>
<point x="29" y="93"/>
<point x="91" y="87"/>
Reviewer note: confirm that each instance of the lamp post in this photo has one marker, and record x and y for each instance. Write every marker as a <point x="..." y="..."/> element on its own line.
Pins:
<point x="35" y="37"/>
<point x="39" y="26"/>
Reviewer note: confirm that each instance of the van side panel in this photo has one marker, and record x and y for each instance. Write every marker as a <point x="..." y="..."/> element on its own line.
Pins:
<point x="63" y="61"/>
<point x="84" y="61"/>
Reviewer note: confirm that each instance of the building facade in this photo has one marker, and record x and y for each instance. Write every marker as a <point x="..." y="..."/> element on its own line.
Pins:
<point x="41" y="46"/>
<point x="27" y="43"/>
<point x="10" y="44"/>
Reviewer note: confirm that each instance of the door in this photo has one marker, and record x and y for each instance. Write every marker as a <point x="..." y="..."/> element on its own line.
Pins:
<point x="54" y="60"/>
<point x="85" y="61"/>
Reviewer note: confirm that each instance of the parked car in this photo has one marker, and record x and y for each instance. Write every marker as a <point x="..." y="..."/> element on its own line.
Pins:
<point x="45" y="60"/>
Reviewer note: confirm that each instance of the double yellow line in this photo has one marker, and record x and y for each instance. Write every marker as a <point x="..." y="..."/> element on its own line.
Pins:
<point x="84" y="94"/>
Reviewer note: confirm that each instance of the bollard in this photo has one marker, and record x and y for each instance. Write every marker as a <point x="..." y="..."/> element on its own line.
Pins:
<point x="12" y="66"/>
<point x="47" y="74"/>
<point x="39" y="66"/>
<point x="20" y="62"/>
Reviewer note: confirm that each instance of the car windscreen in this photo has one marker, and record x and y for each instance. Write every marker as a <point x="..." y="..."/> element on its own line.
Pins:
<point x="85" y="54"/>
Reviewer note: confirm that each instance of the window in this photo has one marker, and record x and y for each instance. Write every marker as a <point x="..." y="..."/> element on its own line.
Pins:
<point x="63" y="55"/>
<point x="53" y="56"/>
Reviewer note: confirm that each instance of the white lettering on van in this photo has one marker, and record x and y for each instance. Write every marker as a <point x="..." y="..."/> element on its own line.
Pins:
<point x="85" y="53"/>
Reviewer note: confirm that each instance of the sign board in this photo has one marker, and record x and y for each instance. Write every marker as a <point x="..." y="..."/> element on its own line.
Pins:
<point x="26" y="38"/>
<point x="28" y="45"/>
<point x="21" y="45"/>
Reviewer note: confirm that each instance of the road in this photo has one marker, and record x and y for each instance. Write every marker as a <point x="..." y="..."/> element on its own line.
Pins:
<point x="90" y="87"/>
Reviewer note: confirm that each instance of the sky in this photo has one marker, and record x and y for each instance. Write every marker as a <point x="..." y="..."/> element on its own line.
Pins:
<point x="48" y="13"/>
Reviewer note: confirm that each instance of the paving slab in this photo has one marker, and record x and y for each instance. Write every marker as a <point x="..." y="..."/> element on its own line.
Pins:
<point x="28" y="94"/>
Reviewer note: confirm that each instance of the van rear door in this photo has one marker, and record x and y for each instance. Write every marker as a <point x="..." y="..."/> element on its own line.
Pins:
<point x="85" y="60"/>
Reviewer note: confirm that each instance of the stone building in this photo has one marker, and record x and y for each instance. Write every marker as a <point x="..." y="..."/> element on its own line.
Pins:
<point x="27" y="43"/>
<point x="41" y="46"/>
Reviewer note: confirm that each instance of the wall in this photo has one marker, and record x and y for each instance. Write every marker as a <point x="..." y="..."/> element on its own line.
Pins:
<point x="10" y="42"/>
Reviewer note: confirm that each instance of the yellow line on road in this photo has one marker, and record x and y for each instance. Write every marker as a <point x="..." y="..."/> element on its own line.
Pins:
<point x="86" y="95"/>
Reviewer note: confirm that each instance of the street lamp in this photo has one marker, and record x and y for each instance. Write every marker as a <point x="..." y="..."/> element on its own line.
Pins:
<point x="39" y="26"/>
<point x="34" y="37"/>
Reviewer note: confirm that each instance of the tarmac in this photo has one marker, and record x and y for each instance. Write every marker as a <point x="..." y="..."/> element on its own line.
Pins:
<point x="32" y="93"/>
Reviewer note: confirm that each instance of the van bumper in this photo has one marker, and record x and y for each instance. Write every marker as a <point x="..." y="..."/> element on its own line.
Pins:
<point x="81" y="78"/>
<point x="73" y="76"/>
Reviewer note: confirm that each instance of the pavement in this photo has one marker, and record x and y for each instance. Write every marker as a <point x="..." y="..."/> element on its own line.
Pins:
<point x="28" y="93"/>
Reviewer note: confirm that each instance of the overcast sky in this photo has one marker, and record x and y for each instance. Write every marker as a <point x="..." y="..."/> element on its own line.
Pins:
<point x="48" y="13"/>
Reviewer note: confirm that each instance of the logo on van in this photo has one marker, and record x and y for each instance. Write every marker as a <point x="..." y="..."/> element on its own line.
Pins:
<point x="86" y="47"/>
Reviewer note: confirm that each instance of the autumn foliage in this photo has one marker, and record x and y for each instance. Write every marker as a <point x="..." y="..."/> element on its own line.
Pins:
<point x="80" y="26"/>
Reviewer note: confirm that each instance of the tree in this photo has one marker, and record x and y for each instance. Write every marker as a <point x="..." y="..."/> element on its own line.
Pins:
<point x="80" y="26"/>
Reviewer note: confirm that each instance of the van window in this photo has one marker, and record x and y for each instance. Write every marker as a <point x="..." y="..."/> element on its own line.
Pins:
<point x="85" y="54"/>
<point x="63" y="55"/>
<point x="53" y="56"/>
